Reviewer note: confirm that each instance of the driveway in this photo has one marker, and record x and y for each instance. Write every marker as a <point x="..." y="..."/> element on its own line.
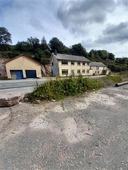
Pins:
<point x="88" y="132"/>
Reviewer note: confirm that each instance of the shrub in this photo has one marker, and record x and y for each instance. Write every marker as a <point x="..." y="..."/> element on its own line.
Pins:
<point x="59" y="88"/>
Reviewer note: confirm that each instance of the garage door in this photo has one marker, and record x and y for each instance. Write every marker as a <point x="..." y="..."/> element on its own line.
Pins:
<point x="30" y="73"/>
<point x="16" y="74"/>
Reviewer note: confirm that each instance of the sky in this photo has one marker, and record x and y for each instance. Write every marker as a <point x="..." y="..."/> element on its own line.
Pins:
<point x="96" y="24"/>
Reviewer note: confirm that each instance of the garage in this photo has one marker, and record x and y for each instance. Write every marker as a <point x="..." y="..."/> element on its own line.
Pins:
<point x="16" y="74"/>
<point x="30" y="73"/>
<point x="22" y="67"/>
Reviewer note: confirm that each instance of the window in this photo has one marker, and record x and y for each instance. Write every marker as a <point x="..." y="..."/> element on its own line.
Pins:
<point x="72" y="72"/>
<point x="78" y="63"/>
<point x="83" y="63"/>
<point x="78" y="71"/>
<point x="52" y="63"/>
<point x="87" y="64"/>
<point x="65" y="71"/>
<point x="83" y="71"/>
<point x="97" y="68"/>
<point x="87" y="71"/>
<point x="72" y="62"/>
<point x="64" y="62"/>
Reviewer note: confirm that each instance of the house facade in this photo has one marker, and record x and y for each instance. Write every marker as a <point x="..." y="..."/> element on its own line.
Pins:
<point x="67" y="65"/>
<point x="21" y="67"/>
<point x="98" y="68"/>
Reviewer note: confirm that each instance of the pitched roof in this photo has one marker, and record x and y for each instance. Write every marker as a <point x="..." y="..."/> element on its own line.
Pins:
<point x="97" y="64"/>
<point x="22" y="55"/>
<point x="71" y="57"/>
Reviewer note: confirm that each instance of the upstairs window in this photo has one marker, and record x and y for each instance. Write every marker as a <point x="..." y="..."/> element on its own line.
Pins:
<point x="64" y="62"/>
<point x="97" y="68"/>
<point x="78" y="63"/>
<point x="72" y="62"/>
<point x="83" y="63"/>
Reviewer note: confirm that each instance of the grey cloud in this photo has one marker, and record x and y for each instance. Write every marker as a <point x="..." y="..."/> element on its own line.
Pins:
<point x="83" y="12"/>
<point x="35" y="23"/>
<point x="114" y="34"/>
<point x="123" y="2"/>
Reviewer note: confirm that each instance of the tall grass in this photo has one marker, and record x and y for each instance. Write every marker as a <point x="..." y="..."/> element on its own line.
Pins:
<point x="60" y="88"/>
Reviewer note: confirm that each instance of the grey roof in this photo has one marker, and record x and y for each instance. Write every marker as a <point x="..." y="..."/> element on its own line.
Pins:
<point x="97" y="64"/>
<point x="71" y="57"/>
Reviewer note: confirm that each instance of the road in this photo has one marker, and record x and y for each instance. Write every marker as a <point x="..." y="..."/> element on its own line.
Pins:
<point x="9" y="84"/>
<point x="87" y="132"/>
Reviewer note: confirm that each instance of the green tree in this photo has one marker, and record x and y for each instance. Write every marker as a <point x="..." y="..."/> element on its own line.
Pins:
<point x="78" y="49"/>
<point x="56" y="44"/>
<point x="44" y="45"/>
<point x="22" y="46"/>
<point x="34" y="43"/>
<point x="111" y="56"/>
<point x="5" y="36"/>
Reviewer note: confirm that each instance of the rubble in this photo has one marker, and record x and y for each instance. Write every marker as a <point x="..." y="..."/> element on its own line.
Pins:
<point x="10" y="99"/>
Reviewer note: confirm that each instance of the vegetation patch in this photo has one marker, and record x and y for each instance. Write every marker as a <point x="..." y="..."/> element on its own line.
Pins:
<point x="60" y="88"/>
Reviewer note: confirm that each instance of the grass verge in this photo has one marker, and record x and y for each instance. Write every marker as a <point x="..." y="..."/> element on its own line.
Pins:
<point x="60" y="88"/>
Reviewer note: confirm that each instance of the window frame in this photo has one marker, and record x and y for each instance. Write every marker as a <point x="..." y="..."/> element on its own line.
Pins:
<point x="78" y="71"/>
<point x="64" y="62"/>
<point x="64" y="70"/>
<point x="78" y="63"/>
<point x="72" y="63"/>
<point x="87" y="71"/>
<point x="83" y="70"/>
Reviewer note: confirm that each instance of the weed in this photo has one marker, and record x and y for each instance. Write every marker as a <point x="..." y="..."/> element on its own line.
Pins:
<point x="60" y="88"/>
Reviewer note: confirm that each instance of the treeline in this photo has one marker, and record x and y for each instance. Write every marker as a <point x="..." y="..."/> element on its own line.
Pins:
<point x="41" y="51"/>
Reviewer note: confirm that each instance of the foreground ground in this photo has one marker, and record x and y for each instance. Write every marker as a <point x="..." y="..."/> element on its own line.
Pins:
<point x="89" y="132"/>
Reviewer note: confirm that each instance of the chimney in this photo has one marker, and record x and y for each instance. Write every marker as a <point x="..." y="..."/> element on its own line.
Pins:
<point x="55" y="52"/>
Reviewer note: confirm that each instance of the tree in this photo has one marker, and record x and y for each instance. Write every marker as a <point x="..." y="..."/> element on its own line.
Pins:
<point x="44" y="45"/>
<point x="5" y="36"/>
<point x="111" y="56"/>
<point x="22" y="46"/>
<point x="56" y="44"/>
<point x="78" y="49"/>
<point x="34" y="43"/>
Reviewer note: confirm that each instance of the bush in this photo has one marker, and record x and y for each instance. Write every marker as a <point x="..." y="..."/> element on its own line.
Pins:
<point x="60" y="88"/>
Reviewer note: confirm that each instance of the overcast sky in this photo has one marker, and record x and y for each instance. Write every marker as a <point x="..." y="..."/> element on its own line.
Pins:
<point x="97" y="24"/>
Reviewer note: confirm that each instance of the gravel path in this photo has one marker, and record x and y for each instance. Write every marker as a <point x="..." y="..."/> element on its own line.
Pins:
<point x="88" y="132"/>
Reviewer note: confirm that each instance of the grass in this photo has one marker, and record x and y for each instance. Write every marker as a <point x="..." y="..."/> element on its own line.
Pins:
<point x="60" y="88"/>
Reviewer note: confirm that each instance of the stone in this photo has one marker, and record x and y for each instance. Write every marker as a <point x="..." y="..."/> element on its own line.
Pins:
<point x="10" y="99"/>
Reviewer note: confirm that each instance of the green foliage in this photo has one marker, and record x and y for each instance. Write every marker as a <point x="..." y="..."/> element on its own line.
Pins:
<point x="56" y="44"/>
<point x="5" y="36"/>
<point x="60" y="88"/>
<point x="78" y="49"/>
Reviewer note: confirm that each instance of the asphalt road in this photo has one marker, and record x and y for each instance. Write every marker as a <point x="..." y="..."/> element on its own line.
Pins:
<point x="87" y="132"/>
<point x="9" y="84"/>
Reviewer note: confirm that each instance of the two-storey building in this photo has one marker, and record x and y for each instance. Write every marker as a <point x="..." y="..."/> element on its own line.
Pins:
<point x="66" y="65"/>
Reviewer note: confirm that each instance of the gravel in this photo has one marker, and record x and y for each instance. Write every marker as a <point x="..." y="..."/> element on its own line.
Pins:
<point x="87" y="132"/>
